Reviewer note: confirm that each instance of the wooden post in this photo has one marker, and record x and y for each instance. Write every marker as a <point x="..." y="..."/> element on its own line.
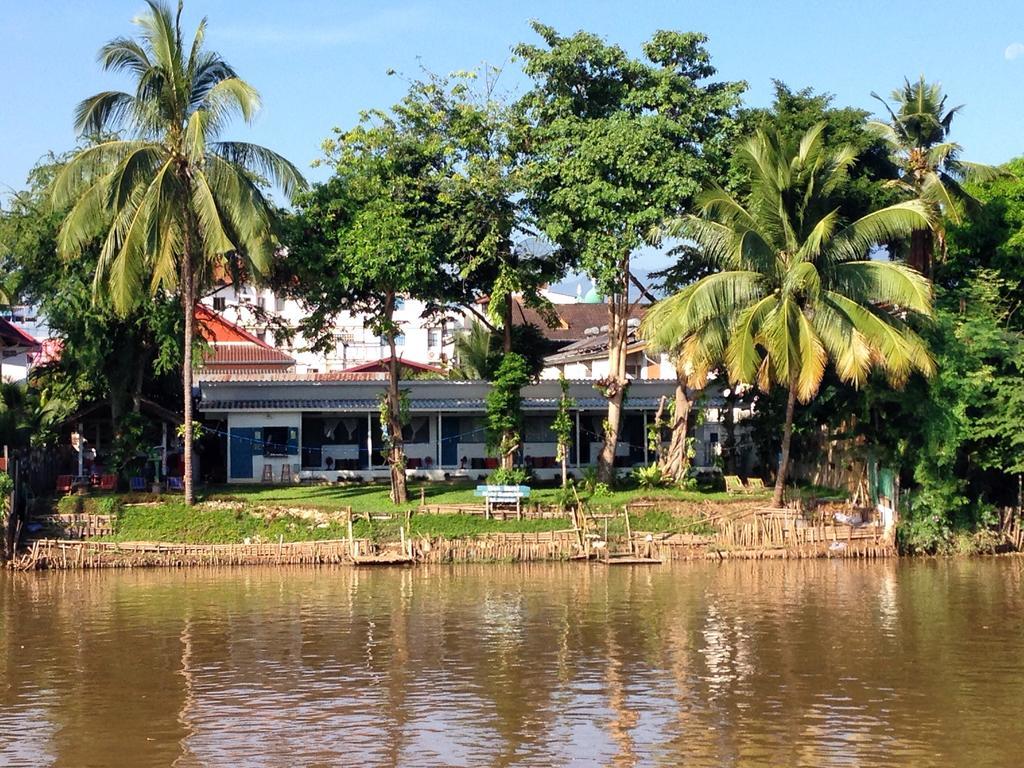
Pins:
<point x="629" y="530"/>
<point x="351" y="538"/>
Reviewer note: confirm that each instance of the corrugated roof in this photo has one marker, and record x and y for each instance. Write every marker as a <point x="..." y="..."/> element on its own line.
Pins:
<point x="257" y="377"/>
<point x="446" y="404"/>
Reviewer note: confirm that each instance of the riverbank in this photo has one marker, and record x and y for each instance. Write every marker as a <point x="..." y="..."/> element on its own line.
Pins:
<point x="356" y="524"/>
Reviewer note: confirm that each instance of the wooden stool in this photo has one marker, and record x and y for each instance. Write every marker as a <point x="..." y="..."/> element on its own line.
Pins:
<point x="286" y="473"/>
<point x="268" y="473"/>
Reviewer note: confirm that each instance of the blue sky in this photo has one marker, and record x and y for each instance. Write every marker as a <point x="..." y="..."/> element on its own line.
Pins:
<point x="318" y="62"/>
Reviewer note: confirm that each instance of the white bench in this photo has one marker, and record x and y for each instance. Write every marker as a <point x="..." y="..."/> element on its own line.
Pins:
<point x="503" y="496"/>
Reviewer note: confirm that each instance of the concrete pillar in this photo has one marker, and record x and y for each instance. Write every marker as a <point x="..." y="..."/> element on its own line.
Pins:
<point x="369" y="440"/>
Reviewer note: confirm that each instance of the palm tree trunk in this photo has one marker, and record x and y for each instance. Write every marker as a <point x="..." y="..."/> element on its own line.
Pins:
<point x="615" y="383"/>
<point x="787" y="436"/>
<point x="188" y="307"/>
<point x="676" y="461"/>
<point x="396" y="450"/>
<point x="922" y="246"/>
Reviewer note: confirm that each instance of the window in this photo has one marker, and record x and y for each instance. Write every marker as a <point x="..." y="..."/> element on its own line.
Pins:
<point x="219" y="303"/>
<point x="399" y="303"/>
<point x="417" y="430"/>
<point x="433" y="338"/>
<point x="399" y="340"/>
<point x="261" y="302"/>
<point x="713" y="438"/>
<point x="279" y="303"/>
<point x="275" y="441"/>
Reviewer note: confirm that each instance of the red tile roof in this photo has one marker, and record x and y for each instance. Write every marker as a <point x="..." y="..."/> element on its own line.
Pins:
<point x="217" y="328"/>
<point x="232" y="348"/>
<point x="13" y="336"/>
<point x="382" y="366"/>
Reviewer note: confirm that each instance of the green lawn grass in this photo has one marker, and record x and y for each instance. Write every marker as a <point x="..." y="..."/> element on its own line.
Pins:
<point x="367" y="497"/>
<point x="305" y="513"/>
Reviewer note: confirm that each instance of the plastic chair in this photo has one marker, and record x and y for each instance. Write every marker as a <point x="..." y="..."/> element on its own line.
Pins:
<point x="137" y="483"/>
<point x="175" y="484"/>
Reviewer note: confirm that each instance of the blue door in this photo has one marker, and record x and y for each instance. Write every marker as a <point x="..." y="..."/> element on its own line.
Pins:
<point x="449" y="441"/>
<point x="242" y="441"/>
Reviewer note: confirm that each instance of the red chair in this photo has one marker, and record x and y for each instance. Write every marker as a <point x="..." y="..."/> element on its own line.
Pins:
<point x="65" y="483"/>
<point x="108" y="482"/>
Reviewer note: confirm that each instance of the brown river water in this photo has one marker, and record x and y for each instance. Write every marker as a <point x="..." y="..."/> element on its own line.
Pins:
<point x="812" y="663"/>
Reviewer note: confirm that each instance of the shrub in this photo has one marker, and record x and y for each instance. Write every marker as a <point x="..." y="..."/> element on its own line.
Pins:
<point x="513" y="476"/>
<point x="649" y="477"/>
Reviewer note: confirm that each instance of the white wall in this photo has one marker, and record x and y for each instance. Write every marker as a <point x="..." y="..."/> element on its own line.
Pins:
<point x="259" y="420"/>
<point x="356" y="344"/>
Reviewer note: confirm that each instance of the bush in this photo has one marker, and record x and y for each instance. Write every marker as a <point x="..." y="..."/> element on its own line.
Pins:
<point x="513" y="476"/>
<point x="588" y="481"/>
<point x="649" y="477"/>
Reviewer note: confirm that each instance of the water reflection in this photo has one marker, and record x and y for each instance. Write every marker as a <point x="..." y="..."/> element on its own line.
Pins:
<point x="810" y="663"/>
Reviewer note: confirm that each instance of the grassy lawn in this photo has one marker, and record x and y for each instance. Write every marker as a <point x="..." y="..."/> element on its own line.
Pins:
<point x="374" y="498"/>
<point x="305" y="513"/>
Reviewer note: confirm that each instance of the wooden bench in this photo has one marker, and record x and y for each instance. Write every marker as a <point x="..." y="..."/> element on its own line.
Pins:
<point x="503" y="497"/>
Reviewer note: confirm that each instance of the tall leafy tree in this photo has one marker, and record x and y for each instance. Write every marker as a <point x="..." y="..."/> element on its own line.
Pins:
<point x="930" y="167"/>
<point x="491" y="243"/>
<point x="492" y="237"/>
<point x="794" y="287"/>
<point x="105" y="355"/>
<point x="619" y="144"/>
<point x="374" y="234"/>
<point x="172" y="203"/>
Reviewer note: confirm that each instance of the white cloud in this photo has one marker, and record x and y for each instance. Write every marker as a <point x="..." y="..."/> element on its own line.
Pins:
<point x="1014" y="51"/>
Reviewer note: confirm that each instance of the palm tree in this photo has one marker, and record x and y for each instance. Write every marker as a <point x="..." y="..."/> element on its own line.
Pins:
<point x="794" y="287"/>
<point x="929" y="164"/>
<point x="473" y="353"/>
<point x="172" y="203"/>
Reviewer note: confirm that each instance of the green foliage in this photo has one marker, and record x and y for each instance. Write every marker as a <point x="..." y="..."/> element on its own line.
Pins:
<point x="513" y="476"/>
<point x="172" y="203"/>
<point x="618" y="143"/>
<point x="564" y="425"/>
<point x="793" y="288"/>
<point x="929" y="165"/>
<point x="591" y="483"/>
<point x="125" y="454"/>
<point x="6" y="488"/>
<point x="966" y="441"/>
<point x="480" y="351"/>
<point x="104" y="356"/>
<point x="649" y="477"/>
<point x="504" y="404"/>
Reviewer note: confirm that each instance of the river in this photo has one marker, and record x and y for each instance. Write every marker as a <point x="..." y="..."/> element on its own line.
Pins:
<point x="810" y="663"/>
